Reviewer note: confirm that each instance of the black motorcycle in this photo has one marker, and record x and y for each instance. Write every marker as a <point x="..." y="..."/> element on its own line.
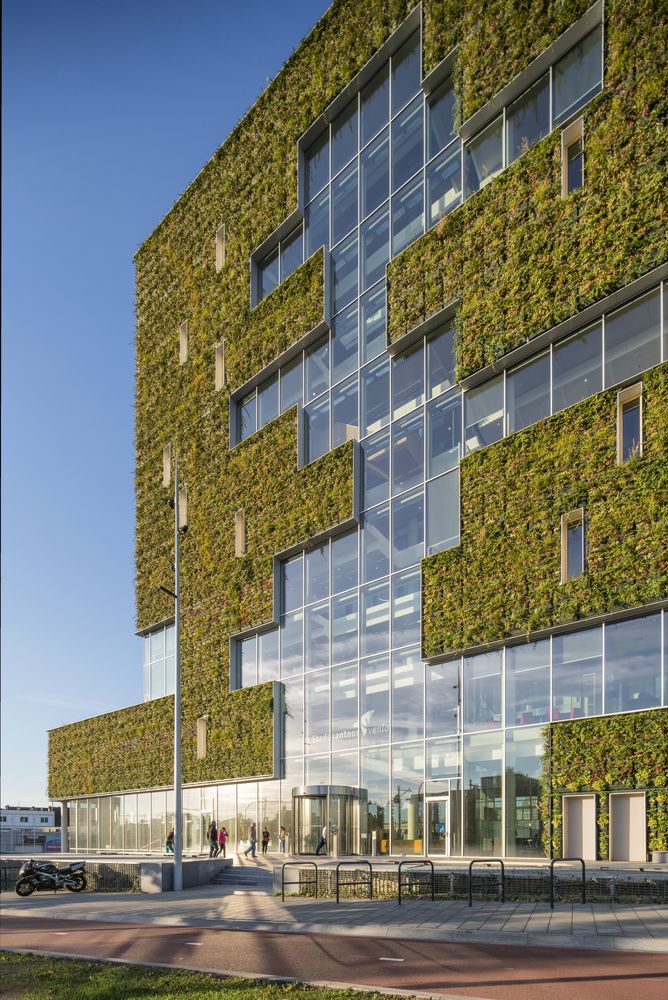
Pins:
<point x="43" y="875"/>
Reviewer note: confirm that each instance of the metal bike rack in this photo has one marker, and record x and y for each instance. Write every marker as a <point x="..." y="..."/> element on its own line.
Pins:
<point x="488" y="861"/>
<point x="299" y="864"/>
<point x="558" y="861"/>
<point x="416" y="864"/>
<point x="3" y="876"/>
<point x="368" y="882"/>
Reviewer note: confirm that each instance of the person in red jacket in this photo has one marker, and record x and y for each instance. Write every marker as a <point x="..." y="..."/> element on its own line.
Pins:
<point x="222" y="840"/>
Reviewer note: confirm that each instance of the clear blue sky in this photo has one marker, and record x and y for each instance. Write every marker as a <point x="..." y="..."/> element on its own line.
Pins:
<point x="110" y="110"/>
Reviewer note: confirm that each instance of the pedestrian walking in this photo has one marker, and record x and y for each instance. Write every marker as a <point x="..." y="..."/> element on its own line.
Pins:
<point x="213" y="840"/>
<point x="169" y="843"/>
<point x="281" y="840"/>
<point x="265" y="839"/>
<point x="222" y="840"/>
<point x="252" y="840"/>
<point x="323" y="840"/>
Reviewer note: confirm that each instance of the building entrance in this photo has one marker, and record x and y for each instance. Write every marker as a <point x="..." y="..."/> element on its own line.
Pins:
<point x="338" y="809"/>
<point x="438" y="826"/>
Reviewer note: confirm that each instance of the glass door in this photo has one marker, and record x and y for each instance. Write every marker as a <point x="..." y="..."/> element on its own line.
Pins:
<point x="438" y="826"/>
<point x="311" y="818"/>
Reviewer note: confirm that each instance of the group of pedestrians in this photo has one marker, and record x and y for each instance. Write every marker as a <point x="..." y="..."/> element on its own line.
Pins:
<point x="265" y="841"/>
<point x="217" y="840"/>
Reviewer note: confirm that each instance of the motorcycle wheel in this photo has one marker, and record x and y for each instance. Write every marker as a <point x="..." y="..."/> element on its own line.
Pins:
<point x="24" y="887"/>
<point x="78" y="884"/>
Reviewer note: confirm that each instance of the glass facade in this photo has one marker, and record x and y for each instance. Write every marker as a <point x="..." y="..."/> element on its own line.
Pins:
<point x="159" y="662"/>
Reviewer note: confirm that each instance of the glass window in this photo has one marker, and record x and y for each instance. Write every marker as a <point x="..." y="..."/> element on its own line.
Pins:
<point x="483" y="759"/>
<point x="344" y="137"/>
<point x="345" y="766"/>
<point x="344" y="628"/>
<point x="317" y="429"/>
<point x="482" y="691"/>
<point x="442" y="699"/>
<point x="292" y="253"/>
<point x="407" y="695"/>
<point x="406" y="789"/>
<point x="528" y="119"/>
<point x="375" y="396"/>
<point x="375" y="104"/>
<point x="317" y="369"/>
<point x="524" y="774"/>
<point x="344" y="412"/>
<point x="317" y="573"/>
<point x="528" y="393"/>
<point x="376" y="543"/>
<point x="294" y="715"/>
<point x="157" y="644"/>
<point x="374" y="336"/>
<point x="440" y="361"/>
<point x="344" y="272"/>
<point x="292" y="583"/>
<point x="633" y="664"/>
<point x="375" y="243"/>
<point x="573" y="526"/>
<point x="630" y="429"/>
<point x="407" y="382"/>
<point x="406" y="72"/>
<point x="484" y="414"/>
<point x="441" y="118"/>
<point x="291" y="384"/>
<point x="375" y="174"/>
<point x="444" y="185"/>
<point x="317" y="165"/>
<point x="317" y="635"/>
<point x="375" y="700"/>
<point x="444" y="434"/>
<point x="376" y="468"/>
<point x="344" y="713"/>
<point x="407" y="530"/>
<point x="576" y="78"/>
<point x="316" y="723"/>
<point x="375" y="777"/>
<point x="577" y="669"/>
<point x="267" y="401"/>
<point x="157" y="679"/>
<point x="406" y="598"/>
<point x="316" y="230"/>
<point x="246" y="417"/>
<point x="407" y="149"/>
<point x="407" y="215"/>
<point x="574" y="166"/>
<point x="528" y="684"/>
<point x="375" y="618"/>
<point x="344" y="562"/>
<point x="268" y="656"/>
<point x="344" y="202"/>
<point x="317" y="772"/>
<point x="483" y="157"/>
<point x="633" y="339"/>
<point x="344" y="344"/>
<point x="577" y="368"/>
<point x="248" y="662"/>
<point x="267" y="275"/>
<point x="443" y="512"/>
<point x="407" y="452"/>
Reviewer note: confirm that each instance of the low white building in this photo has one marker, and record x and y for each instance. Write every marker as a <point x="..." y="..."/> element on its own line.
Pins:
<point x="26" y="829"/>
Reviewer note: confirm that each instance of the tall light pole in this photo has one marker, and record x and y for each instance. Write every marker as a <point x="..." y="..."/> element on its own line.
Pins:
<point x="178" y="858"/>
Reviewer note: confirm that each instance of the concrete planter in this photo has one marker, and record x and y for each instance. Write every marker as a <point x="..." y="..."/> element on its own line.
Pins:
<point x="660" y="857"/>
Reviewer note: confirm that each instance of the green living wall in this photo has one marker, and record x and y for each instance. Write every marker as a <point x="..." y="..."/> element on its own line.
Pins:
<point x="605" y="755"/>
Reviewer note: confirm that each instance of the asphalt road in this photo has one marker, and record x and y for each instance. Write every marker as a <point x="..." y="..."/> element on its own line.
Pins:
<point x="478" y="971"/>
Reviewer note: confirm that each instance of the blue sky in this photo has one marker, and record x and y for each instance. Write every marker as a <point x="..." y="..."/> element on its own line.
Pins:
<point x="109" y="112"/>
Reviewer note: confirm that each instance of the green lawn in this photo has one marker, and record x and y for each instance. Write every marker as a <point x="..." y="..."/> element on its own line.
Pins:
<point x="32" y="977"/>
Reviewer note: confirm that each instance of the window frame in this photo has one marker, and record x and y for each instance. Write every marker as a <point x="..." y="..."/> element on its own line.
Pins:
<point x="630" y="394"/>
<point x="576" y="516"/>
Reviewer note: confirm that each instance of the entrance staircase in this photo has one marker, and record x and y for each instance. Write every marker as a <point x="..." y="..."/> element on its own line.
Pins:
<point x="247" y="877"/>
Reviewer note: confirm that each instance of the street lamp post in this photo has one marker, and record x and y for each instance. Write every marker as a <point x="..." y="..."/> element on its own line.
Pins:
<point x="178" y="858"/>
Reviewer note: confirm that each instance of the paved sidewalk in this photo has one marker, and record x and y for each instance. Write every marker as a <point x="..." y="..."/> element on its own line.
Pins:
<point x="599" y="926"/>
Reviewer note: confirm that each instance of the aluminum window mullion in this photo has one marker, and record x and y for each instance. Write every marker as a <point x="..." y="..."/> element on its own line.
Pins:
<point x="662" y="321"/>
<point x="603" y="658"/>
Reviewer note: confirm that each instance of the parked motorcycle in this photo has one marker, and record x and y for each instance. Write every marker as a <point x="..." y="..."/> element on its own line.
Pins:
<point x="44" y="875"/>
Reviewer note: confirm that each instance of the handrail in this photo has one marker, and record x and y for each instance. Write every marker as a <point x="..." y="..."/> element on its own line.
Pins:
<point x="300" y="864"/>
<point x="365" y="883"/>
<point x="556" y="861"/>
<point x="488" y="861"/>
<point x="417" y="863"/>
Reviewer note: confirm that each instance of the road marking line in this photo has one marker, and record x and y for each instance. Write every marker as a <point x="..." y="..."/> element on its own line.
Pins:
<point x="195" y="944"/>
<point x="384" y="959"/>
<point x="61" y="933"/>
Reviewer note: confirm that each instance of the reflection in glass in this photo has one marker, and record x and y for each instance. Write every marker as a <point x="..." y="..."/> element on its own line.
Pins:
<point x="483" y="756"/>
<point x="441" y="118"/>
<point x="375" y="104"/>
<point x="344" y="412"/>
<point x="444" y="184"/>
<point x="577" y="368"/>
<point x="246" y="417"/>
<point x="291" y="384"/>
<point x="292" y="576"/>
<point x="407" y="530"/>
<point x="344" y="628"/>
<point x="375" y="777"/>
<point x="292" y="253"/>
<point x="524" y="771"/>
<point x="373" y="335"/>
<point x="344" y="710"/>
<point x="528" y="684"/>
<point x="317" y="636"/>
<point x="631" y="430"/>
<point x="576" y="78"/>
<point x="406" y="72"/>
<point x="344" y="562"/>
<point x="407" y="381"/>
<point x="406" y="597"/>
<point x="376" y="543"/>
<point x="633" y="339"/>
<point x="268" y="656"/>
<point x="484" y="414"/>
<point x="344" y="202"/>
<point x="375" y="174"/>
<point x="528" y="393"/>
<point x="407" y="452"/>
<point x="375" y="700"/>
<point x="528" y="119"/>
<point x="482" y="691"/>
<point x="375" y="618"/>
<point x="443" y="517"/>
<point x="375" y="396"/>
<point x="376" y="468"/>
<point x="293" y="701"/>
<point x="407" y="800"/>
<point x="407" y="154"/>
<point x="375" y="247"/>
<point x="344" y="344"/>
<point x="483" y="157"/>
<point x="316" y="231"/>
<point x="444" y="433"/>
<point x="248" y="662"/>
<point x="316" y="721"/>
<point x="407" y="215"/>
<point x="267" y="275"/>
<point x="344" y="137"/>
<point x="292" y="644"/>
<point x="317" y="573"/>
<point x="344" y="272"/>
<point x="267" y="401"/>
<point x="633" y="664"/>
<point x="440" y="361"/>
<point x="577" y="667"/>
<point x="317" y="165"/>
<point x="442" y="699"/>
<point x="317" y="428"/>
